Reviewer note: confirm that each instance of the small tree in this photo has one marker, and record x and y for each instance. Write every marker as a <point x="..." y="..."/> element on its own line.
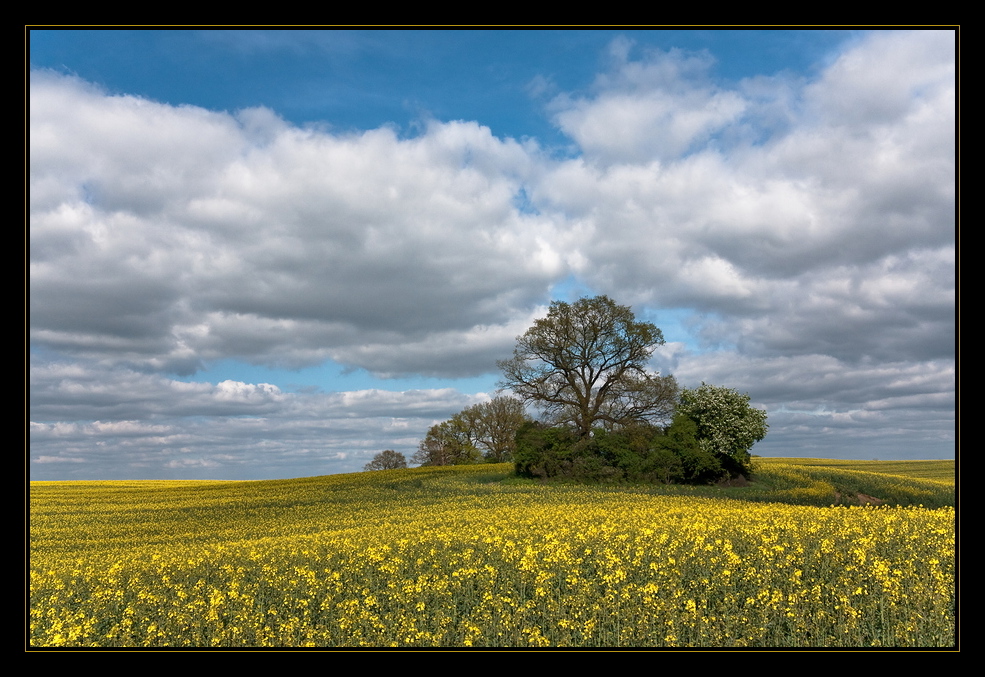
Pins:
<point x="447" y="443"/>
<point x="727" y="426"/>
<point x="388" y="459"/>
<point x="492" y="426"/>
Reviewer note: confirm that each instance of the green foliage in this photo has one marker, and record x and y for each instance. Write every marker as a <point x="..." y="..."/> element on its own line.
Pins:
<point x="388" y="459"/>
<point x="638" y="453"/>
<point x="447" y="443"/>
<point x="542" y="451"/>
<point x="695" y="465"/>
<point x="491" y="426"/>
<point x="585" y="365"/>
<point x="482" y="432"/>
<point x="727" y="427"/>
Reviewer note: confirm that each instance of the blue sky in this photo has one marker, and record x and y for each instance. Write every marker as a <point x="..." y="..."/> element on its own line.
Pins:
<point x="261" y="254"/>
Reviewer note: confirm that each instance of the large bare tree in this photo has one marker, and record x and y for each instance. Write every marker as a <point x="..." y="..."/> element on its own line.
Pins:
<point x="585" y="364"/>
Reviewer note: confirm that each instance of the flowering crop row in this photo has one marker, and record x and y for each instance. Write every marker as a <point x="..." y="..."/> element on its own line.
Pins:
<point x="446" y="557"/>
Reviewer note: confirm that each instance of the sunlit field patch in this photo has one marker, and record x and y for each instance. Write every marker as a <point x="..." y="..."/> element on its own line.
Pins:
<point x="456" y="557"/>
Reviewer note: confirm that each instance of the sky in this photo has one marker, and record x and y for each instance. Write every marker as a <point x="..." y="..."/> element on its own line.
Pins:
<point x="260" y="254"/>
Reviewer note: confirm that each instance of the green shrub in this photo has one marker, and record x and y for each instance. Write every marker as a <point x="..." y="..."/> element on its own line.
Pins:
<point x="639" y="453"/>
<point x="542" y="451"/>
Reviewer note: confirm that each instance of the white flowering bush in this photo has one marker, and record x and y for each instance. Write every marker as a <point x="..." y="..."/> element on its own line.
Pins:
<point x="727" y="425"/>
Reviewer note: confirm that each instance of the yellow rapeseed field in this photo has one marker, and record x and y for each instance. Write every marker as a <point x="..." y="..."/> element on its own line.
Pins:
<point x="455" y="557"/>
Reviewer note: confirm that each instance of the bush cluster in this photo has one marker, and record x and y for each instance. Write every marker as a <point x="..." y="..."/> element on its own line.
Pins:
<point x="637" y="453"/>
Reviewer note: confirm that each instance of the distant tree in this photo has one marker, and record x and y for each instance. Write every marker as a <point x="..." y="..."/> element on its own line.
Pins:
<point x="727" y="426"/>
<point x="585" y="365"/>
<point x="447" y="443"/>
<point x="388" y="459"/>
<point x="491" y="426"/>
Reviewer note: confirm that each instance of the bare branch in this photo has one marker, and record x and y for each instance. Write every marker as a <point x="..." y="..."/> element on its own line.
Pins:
<point x="585" y="363"/>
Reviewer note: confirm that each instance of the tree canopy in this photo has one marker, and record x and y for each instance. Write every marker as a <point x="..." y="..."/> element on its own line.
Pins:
<point x="484" y="431"/>
<point x="447" y="443"/>
<point x="491" y="426"/>
<point x="585" y="365"/>
<point x="727" y="426"/>
<point x="388" y="459"/>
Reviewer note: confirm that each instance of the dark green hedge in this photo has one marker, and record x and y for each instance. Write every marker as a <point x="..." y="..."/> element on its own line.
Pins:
<point x="641" y="453"/>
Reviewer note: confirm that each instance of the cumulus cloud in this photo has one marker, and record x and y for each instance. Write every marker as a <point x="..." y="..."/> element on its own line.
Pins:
<point x="804" y="223"/>
<point x="834" y="234"/>
<point x="202" y="235"/>
<point x="821" y="406"/>
<point x="91" y="423"/>
<point x="654" y="109"/>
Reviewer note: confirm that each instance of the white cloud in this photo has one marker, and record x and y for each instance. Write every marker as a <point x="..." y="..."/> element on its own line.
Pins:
<point x="807" y="225"/>
<point x="202" y="235"/>
<point x="656" y="109"/>
<point x="885" y="77"/>
<point x="94" y="423"/>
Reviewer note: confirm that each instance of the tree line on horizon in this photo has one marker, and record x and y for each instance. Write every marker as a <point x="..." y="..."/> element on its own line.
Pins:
<point x="602" y="415"/>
